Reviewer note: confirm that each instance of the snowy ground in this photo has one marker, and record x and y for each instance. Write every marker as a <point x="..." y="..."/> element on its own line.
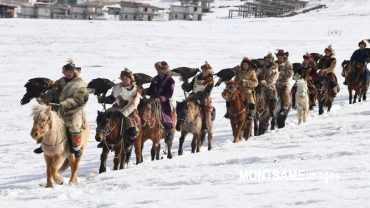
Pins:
<point x="330" y="152"/>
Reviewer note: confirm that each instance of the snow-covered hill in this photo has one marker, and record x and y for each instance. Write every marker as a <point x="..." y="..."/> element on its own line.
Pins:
<point x="322" y="163"/>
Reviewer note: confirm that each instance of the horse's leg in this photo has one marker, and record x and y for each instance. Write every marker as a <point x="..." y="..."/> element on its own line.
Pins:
<point x="256" y="125"/>
<point x="117" y="156"/>
<point x="139" y="159"/>
<point x="210" y="135"/>
<point x="299" y="115"/>
<point x="169" y="144"/>
<point x="321" y="106"/>
<point x="197" y="138"/>
<point x="75" y="165"/>
<point x="158" y="151"/>
<point x="193" y="144"/>
<point x="181" y="142"/>
<point x="49" y="177"/>
<point x="355" y="97"/>
<point x="234" y="127"/>
<point x="153" y="151"/>
<point x="103" y="159"/>
<point x="350" y="95"/>
<point x="55" y="166"/>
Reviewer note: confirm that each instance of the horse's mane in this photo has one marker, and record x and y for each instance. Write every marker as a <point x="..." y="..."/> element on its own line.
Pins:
<point x="57" y="124"/>
<point x="301" y="84"/>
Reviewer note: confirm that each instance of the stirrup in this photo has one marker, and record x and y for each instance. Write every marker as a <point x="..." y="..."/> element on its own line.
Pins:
<point x="78" y="153"/>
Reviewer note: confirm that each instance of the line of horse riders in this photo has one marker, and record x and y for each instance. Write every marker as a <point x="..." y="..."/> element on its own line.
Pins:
<point x="257" y="93"/>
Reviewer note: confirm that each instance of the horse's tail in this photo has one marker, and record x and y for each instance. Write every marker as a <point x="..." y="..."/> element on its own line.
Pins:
<point x="64" y="166"/>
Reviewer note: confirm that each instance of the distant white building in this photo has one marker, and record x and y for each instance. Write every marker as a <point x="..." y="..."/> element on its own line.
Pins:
<point x="185" y="12"/>
<point x="134" y="11"/>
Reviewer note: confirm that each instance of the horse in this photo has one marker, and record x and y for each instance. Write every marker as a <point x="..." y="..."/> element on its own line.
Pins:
<point x="261" y="120"/>
<point x="151" y="126"/>
<point x="323" y="94"/>
<point x="302" y="100"/>
<point x="189" y="120"/>
<point x="237" y="110"/>
<point x="354" y="81"/>
<point x="278" y="118"/>
<point x="109" y="130"/>
<point x="49" y="129"/>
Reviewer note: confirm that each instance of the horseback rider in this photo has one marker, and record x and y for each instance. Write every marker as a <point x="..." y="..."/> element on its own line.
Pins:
<point x="267" y="76"/>
<point x="125" y="99"/>
<point x="201" y="87"/>
<point x="326" y="67"/>
<point x="285" y="69"/>
<point x="308" y="72"/>
<point x="161" y="89"/>
<point x="359" y="60"/>
<point x="247" y="80"/>
<point x="68" y="97"/>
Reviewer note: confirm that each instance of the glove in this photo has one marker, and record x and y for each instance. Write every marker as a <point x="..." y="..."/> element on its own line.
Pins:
<point x="54" y="106"/>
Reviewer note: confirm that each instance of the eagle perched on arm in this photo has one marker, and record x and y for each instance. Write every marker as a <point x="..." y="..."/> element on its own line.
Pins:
<point x="35" y="87"/>
<point x="185" y="73"/>
<point x="141" y="78"/>
<point x="225" y="75"/>
<point x="100" y="86"/>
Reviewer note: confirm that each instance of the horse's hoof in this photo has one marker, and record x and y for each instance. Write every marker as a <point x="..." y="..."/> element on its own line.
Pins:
<point x="59" y="181"/>
<point x="102" y="170"/>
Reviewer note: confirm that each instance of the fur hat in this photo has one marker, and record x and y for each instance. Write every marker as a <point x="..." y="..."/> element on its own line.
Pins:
<point x="246" y="60"/>
<point x="269" y="58"/>
<point x="127" y="73"/>
<point x="281" y="52"/>
<point x="207" y="67"/>
<point x="162" y="65"/>
<point x="70" y="66"/>
<point x="330" y="49"/>
<point x="362" y="42"/>
<point x="307" y="56"/>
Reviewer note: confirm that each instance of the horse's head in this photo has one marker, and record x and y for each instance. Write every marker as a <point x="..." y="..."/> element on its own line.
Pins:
<point x="103" y="123"/>
<point x="231" y="90"/>
<point x="345" y="67"/>
<point x="302" y="88"/>
<point x="41" y="121"/>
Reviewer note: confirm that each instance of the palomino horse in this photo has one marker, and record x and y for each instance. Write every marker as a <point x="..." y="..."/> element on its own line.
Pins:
<point x="261" y="120"/>
<point x="48" y="128"/>
<point x="354" y="80"/>
<point x="302" y="101"/>
<point x="189" y="120"/>
<point x="325" y="99"/>
<point x="110" y="130"/>
<point x="151" y="126"/>
<point x="237" y="110"/>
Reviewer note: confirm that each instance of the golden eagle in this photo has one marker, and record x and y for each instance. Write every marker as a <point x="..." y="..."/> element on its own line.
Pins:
<point x="35" y="87"/>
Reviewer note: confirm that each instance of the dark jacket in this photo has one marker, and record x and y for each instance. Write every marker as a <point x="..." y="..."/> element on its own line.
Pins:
<point x="162" y="88"/>
<point x="359" y="56"/>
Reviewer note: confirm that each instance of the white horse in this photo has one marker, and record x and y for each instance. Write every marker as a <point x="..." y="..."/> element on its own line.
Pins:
<point x="302" y="101"/>
<point x="48" y="129"/>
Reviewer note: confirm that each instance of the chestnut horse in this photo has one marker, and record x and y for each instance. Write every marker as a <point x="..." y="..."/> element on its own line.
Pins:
<point x="151" y="126"/>
<point x="189" y="120"/>
<point x="354" y="80"/>
<point x="49" y="129"/>
<point x="150" y="113"/>
<point x="237" y="110"/>
<point x="110" y="131"/>
<point x="261" y="120"/>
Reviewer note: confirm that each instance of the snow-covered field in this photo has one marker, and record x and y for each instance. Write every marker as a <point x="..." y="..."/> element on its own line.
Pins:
<point x="330" y="153"/>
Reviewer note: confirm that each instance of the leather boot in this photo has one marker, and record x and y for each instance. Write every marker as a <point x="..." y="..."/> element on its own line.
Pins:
<point x="38" y="150"/>
<point x="76" y="144"/>
<point x="251" y="111"/>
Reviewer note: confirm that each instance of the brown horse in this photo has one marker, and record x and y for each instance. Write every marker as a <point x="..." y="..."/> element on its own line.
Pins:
<point x="354" y="80"/>
<point x="189" y="120"/>
<point x="237" y="109"/>
<point x="325" y="99"/>
<point x="109" y="130"/>
<point x="261" y="120"/>
<point x="48" y="128"/>
<point x="151" y="126"/>
<point x="152" y="110"/>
